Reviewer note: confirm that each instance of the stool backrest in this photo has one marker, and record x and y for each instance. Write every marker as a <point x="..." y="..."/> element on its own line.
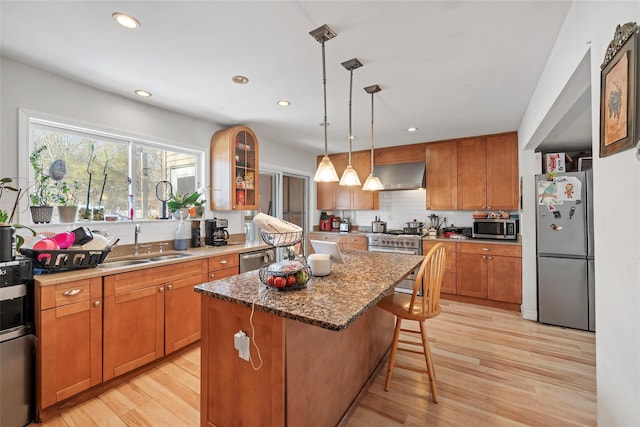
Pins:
<point x="430" y="276"/>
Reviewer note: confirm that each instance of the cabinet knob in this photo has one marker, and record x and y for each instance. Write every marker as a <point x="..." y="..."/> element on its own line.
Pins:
<point x="170" y="287"/>
<point x="212" y="275"/>
<point x="490" y="257"/>
<point x="96" y="304"/>
<point x="484" y="257"/>
<point x="486" y="249"/>
<point x="224" y="261"/>
<point x="161" y="289"/>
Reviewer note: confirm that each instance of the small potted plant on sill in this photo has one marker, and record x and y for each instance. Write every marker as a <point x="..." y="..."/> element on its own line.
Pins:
<point x="180" y="203"/>
<point x="43" y="192"/>
<point x="67" y="201"/>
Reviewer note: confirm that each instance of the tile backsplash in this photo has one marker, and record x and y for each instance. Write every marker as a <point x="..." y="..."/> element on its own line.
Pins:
<point x="400" y="207"/>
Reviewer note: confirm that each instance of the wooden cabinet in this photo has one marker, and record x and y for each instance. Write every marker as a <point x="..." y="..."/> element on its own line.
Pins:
<point x="332" y="196"/>
<point x="490" y="271"/>
<point x="344" y="241"/>
<point x="442" y="175"/>
<point x="234" y="169"/>
<point x="68" y="322"/>
<point x="353" y="242"/>
<point x="399" y="154"/>
<point x="149" y="311"/>
<point x="450" y="272"/>
<point x="222" y="266"/>
<point x="488" y="172"/>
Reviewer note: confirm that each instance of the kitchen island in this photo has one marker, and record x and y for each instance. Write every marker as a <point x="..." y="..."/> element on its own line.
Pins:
<point x="319" y="346"/>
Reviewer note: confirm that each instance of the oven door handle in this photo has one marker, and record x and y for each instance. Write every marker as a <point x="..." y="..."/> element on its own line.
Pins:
<point x="12" y="292"/>
<point x="394" y="251"/>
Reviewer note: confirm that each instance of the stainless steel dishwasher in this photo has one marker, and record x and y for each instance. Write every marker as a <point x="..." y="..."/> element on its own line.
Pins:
<point x="250" y="261"/>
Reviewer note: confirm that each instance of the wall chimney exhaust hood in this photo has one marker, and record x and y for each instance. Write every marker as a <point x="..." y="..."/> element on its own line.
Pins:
<point x="404" y="176"/>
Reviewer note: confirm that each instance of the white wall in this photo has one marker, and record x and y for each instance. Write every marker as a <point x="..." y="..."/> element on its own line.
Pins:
<point x="33" y="89"/>
<point x="591" y="25"/>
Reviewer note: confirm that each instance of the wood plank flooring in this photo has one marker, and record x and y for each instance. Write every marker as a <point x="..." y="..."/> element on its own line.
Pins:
<point x="492" y="369"/>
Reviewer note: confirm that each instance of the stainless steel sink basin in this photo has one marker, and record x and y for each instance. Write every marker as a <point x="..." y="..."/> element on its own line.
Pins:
<point x="124" y="263"/>
<point x="168" y="256"/>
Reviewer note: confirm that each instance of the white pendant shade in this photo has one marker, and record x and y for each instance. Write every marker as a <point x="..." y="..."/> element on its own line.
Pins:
<point x="326" y="172"/>
<point x="372" y="184"/>
<point x="350" y="177"/>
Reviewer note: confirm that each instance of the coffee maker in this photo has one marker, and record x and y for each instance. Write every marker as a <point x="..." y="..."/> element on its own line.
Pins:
<point x="216" y="233"/>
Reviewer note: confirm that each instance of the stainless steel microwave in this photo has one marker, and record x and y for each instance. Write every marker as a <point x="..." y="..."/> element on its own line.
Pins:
<point x="503" y="229"/>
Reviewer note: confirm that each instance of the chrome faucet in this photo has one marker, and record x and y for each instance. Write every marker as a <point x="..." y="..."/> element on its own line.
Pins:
<point x="135" y="239"/>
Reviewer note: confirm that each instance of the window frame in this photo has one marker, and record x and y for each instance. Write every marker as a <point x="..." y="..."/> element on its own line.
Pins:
<point x="26" y="117"/>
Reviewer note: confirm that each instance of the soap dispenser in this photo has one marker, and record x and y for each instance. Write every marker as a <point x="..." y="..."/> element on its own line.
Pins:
<point x="182" y="236"/>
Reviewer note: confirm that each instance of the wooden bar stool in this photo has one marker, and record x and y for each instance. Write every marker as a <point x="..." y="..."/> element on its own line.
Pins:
<point x="419" y="309"/>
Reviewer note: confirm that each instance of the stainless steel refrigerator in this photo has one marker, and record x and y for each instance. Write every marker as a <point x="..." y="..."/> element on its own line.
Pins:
<point x="564" y="220"/>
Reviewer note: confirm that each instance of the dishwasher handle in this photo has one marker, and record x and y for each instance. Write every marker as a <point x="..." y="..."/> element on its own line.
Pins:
<point x="253" y="255"/>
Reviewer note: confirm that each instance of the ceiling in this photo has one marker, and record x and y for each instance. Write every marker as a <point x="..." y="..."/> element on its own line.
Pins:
<point x="450" y="68"/>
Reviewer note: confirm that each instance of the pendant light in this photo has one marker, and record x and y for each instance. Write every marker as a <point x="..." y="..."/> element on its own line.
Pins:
<point x="350" y="176"/>
<point x="326" y="172"/>
<point x="373" y="182"/>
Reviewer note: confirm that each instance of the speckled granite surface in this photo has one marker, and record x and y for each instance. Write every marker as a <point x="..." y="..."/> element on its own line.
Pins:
<point x="331" y="302"/>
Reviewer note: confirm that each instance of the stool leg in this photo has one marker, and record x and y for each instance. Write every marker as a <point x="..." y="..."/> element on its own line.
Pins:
<point x="392" y="358"/>
<point x="427" y="355"/>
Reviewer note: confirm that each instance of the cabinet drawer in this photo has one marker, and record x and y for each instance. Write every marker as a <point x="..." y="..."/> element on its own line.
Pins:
<point x="223" y="272"/>
<point x="223" y="262"/>
<point x="490" y="249"/>
<point x="354" y="242"/>
<point x="66" y="293"/>
<point x="326" y="237"/>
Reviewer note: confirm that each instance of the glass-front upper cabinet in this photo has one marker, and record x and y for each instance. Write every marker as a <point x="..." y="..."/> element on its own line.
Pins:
<point x="234" y="169"/>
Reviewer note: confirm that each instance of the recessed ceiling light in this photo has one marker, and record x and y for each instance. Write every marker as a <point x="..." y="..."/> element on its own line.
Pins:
<point x="241" y="80"/>
<point x="284" y="103"/>
<point x="412" y="129"/>
<point x="142" y="93"/>
<point x="125" y="20"/>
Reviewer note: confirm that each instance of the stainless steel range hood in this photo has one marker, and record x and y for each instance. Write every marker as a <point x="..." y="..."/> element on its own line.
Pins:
<point x="404" y="176"/>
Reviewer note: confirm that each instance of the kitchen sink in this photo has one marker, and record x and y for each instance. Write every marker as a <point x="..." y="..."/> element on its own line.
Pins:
<point x="124" y="263"/>
<point x="168" y="256"/>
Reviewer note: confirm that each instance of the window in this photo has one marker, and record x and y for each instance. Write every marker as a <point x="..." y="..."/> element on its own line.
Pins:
<point x="102" y="169"/>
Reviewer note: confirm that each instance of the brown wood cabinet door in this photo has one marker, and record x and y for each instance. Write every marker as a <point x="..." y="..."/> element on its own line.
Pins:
<point x="472" y="174"/>
<point x="472" y="275"/>
<point x="363" y="200"/>
<point x="505" y="279"/>
<point x="182" y="311"/>
<point x="449" y="285"/>
<point x="442" y="175"/>
<point x="69" y="353"/>
<point x="133" y="329"/>
<point x="502" y="172"/>
<point x="343" y="194"/>
<point x="325" y="193"/>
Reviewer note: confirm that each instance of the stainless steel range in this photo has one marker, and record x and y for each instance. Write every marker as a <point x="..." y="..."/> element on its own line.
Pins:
<point x="397" y="242"/>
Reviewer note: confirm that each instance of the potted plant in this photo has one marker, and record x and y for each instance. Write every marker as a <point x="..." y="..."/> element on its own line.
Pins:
<point x="179" y="203"/>
<point x="67" y="200"/>
<point x="7" y="229"/>
<point x="43" y="192"/>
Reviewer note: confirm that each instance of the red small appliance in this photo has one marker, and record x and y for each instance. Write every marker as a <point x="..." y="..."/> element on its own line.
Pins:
<point x="325" y="223"/>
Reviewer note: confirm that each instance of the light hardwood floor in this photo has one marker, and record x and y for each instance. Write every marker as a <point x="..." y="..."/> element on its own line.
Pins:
<point x="492" y="369"/>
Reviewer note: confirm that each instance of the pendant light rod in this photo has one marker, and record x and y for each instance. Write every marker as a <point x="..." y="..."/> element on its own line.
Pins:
<point x="373" y="182"/>
<point x="372" y="89"/>
<point x="322" y="34"/>
<point x="351" y="65"/>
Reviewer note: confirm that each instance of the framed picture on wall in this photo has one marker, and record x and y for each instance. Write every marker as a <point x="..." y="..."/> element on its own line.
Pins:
<point x="618" y="92"/>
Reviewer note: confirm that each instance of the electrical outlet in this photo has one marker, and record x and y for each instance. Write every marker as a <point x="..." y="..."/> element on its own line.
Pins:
<point x="241" y="343"/>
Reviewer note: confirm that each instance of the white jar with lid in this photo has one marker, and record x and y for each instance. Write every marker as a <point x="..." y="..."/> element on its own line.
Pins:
<point x="320" y="264"/>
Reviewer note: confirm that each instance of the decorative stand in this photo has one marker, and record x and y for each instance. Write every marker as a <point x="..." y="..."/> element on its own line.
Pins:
<point x="291" y="274"/>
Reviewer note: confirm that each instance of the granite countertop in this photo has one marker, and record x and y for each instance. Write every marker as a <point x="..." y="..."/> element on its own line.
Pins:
<point x="48" y="279"/>
<point x="331" y="302"/>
